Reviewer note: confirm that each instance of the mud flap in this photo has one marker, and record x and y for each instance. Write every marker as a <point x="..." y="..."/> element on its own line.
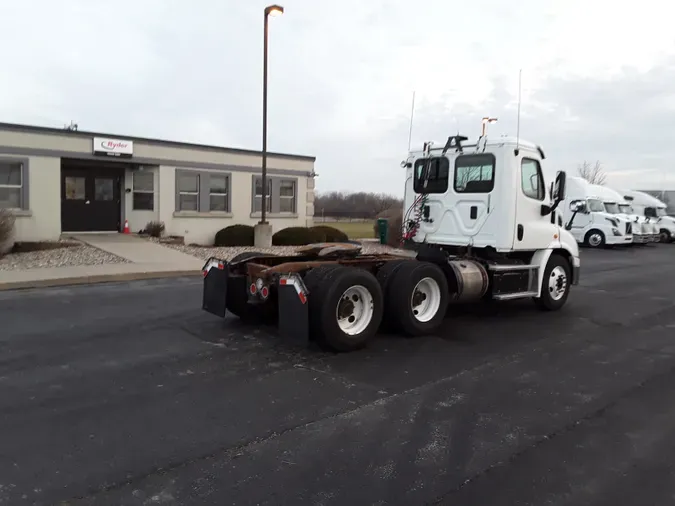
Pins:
<point x="214" y="298"/>
<point x="293" y="310"/>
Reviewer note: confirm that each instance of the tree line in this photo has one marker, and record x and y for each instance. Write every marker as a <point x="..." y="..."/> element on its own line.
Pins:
<point x="357" y="205"/>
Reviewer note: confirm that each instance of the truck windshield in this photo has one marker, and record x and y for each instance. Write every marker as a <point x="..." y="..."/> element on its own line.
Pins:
<point x="612" y="207"/>
<point x="661" y="211"/>
<point x="595" y="206"/>
<point x="626" y="208"/>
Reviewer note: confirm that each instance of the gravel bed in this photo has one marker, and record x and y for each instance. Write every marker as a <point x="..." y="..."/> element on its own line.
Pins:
<point x="78" y="254"/>
<point x="204" y="252"/>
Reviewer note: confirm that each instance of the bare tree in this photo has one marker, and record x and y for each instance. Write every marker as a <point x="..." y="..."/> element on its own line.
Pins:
<point x="594" y="174"/>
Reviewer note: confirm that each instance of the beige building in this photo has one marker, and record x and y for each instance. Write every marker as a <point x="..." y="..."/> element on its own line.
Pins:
<point x="60" y="181"/>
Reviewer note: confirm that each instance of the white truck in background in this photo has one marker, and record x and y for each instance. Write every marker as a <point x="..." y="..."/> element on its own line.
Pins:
<point x="585" y="216"/>
<point x="650" y="207"/>
<point x="643" y="231"/>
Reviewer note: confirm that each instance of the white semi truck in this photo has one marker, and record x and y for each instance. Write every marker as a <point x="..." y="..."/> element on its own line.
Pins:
<point x="481" y="219"/>
<point x="643" y="231"/>
<point x="650" y="207"/>
<point x="587" y="219"/>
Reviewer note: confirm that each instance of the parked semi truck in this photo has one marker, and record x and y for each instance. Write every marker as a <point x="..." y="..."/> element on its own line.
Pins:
<point x="644" y="231"/>
<point x="480" y="222"/>
<point x="650" y="207"/>
<point x="587" y="219"/>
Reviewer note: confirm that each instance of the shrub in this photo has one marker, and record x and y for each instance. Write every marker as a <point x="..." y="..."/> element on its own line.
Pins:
<point x="155" y="228"/>
<point x="331" y="234"/>
<point x="297" y="236"/>
<point x="235" y="235"/>
<point x="6" y="231"/>
<point x="395" y="231"/>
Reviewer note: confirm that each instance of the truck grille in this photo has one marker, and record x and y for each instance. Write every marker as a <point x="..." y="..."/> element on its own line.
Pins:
<point x="628" y="228"/>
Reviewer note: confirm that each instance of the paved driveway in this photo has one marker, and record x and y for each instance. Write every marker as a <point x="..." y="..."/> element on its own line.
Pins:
<point x="129" y="394"/>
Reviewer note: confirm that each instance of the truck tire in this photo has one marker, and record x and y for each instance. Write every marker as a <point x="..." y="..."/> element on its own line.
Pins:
<point x="237" y="296"/>
<point x="665" y="236"/>
<point x="555" y="284"/>
<point x="345" y="307"/>
<point x="418" y="298"/>
<point x="384" y="276"/>
<point x="594" y="239"/>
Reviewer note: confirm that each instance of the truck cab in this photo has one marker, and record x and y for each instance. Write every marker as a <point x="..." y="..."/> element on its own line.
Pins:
<point x="586" y="217"/>
<point x="617" y="206"/>
<point x="495" y="201"/>
<point x="652" y="208"/>
<point x="466" y="197"/>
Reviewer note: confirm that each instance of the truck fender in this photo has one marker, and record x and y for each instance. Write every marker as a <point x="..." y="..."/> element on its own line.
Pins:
<point x="541" y="257"/>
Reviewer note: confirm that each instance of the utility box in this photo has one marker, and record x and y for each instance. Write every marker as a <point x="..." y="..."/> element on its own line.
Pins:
<point x="383" y="230"/>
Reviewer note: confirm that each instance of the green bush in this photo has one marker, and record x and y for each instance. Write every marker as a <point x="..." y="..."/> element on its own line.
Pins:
<point x="331" y="234"/>
<point x="155" y="228"/>
<point x="395" y="233"/>
<point x="234" y="235"/>
<point x="6" y="231"/>
<point x="297" y="236"/>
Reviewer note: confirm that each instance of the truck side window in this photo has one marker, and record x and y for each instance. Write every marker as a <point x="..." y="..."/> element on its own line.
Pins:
<point x="431" y="175"/>
<point x="650" y="212"/>
<point x="531" y="179"/>
<point x="474" y="173"/>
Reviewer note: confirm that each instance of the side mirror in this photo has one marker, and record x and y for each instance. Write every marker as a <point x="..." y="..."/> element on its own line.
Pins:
<point x="559" y="188"/>
<point x="578" y="206"/>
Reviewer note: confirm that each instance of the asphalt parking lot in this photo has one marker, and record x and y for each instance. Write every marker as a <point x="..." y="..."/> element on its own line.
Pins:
<point x="129" y="394"/>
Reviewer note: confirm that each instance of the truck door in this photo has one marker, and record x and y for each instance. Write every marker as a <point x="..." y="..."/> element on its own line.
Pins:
<point x="459" y="199"/>
<point x="532" y="231"/>
<point x="473" y="185"/>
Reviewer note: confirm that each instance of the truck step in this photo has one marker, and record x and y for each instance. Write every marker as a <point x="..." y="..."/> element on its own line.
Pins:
<point x="517" y="295"/>
<point x="514" y="267"/>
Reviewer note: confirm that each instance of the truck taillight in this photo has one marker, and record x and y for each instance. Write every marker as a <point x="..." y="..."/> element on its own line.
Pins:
<point x="253" y="289"/>
<point x="264" y="292"/>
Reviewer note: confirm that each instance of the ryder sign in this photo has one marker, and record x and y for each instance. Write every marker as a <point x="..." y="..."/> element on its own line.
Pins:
<point x="113" y="147"/>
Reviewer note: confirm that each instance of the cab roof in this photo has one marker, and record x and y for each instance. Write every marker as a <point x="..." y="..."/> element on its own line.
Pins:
<point x="469" y="145"/>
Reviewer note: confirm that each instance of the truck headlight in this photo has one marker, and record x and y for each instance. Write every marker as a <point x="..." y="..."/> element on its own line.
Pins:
<point x="615" y="231"/>
<point x="613" y="221"/>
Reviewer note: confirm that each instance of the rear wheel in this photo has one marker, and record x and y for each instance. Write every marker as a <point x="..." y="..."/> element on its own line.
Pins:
<point x="345" y="306"/>
<point x="384" y="276"/>
<point x="555" y="284"/>
<point x="418" y="298"/>
<point x="237" y="295"/>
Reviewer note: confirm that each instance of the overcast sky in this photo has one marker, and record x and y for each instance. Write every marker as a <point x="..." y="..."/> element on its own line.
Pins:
<point x="597" y="78"/>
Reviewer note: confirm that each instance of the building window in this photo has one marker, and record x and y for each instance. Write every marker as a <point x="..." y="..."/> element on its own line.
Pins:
<point x="257" y="196"/>
<point x="188" y="192"/>
<point x="203" y="191"/>
<point x="474" y="173"/>
<point x="287" y="196"/>
<point x="11" y="185"/>
<point x="144" y="190"/>
<point x="531" y="179"/>
<point x="282" y="195"/>
<point x="218" y="192"/>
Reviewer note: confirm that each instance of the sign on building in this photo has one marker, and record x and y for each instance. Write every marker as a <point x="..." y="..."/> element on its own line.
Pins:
<point x="113" y="147"/>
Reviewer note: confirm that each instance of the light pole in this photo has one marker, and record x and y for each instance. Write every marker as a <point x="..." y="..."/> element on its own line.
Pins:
<point x="271" y="10"/>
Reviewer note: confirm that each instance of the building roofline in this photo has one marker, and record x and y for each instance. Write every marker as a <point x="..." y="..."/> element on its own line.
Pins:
<point x="17" y="127"/>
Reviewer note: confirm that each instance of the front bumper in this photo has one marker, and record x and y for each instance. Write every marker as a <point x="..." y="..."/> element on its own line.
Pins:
<point x="641" y="238"/>
<point x="576" y="267"/>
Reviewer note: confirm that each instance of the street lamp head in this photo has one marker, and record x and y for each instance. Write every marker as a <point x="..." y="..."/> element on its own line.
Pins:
<point x="274" y="10"/>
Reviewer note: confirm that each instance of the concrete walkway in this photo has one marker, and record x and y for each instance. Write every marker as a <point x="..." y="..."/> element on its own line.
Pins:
<point x="147" y="260"/>
<point x="138" y="251"/>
